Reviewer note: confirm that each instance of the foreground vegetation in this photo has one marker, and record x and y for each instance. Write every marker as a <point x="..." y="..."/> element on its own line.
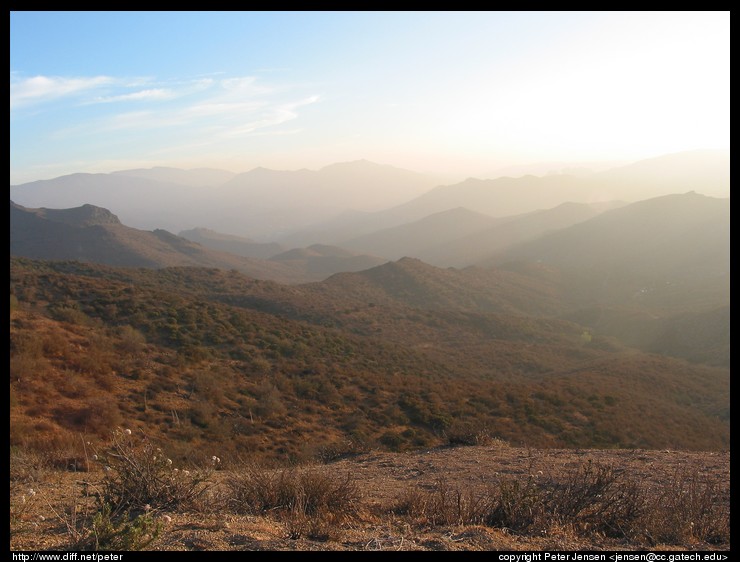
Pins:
<point x="134" y="497"/>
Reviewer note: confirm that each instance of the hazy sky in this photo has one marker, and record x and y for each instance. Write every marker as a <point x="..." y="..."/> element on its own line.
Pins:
<point x="459" y="93"/>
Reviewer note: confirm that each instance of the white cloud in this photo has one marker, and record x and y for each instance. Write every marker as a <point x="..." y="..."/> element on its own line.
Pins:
<point x="237" y="107"/>
<point x="187" y="115"/>
<point x="142" y="95"/>
<point x="28" y="91"/>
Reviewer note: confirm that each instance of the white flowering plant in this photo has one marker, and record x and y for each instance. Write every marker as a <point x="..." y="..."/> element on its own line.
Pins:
<point x="140" y="477"/>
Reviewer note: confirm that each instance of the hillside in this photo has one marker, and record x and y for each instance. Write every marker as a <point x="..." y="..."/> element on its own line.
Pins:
<point x="411" y="282"/>
<point x="208" y="356"/>
<point x="658" y="251"/>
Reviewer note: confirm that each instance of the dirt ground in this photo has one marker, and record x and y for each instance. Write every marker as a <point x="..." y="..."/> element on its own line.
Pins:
<point x="42" y="509"/>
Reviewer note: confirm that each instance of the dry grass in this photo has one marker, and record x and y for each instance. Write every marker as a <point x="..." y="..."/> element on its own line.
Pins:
<point x="314" y="503"/>
<point x="591" y="501"/>
<point x="469" y="498"/>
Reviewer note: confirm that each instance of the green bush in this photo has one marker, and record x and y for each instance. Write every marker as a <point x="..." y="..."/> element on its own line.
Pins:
<point x="120" y="533"/>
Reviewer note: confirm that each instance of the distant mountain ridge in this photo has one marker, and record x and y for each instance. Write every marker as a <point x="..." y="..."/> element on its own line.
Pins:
<point x="682" y="233"/>
<point x="259" y="203"/>
<point x="460" y="237"/>
<point x="344" y="201"/>
<point x="197" y="177"/>
<point x="232" y="244"/>
<point x="705" y="172"/>
<point x="86" y="215"/>
<point x="93" y="234"/>
<point x="418" y="237"/>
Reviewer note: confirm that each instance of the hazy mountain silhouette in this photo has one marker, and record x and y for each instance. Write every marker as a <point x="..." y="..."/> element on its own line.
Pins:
<point x="417" y="238"/>
<point x="197" y="177"/>
<point x="683" y="235"/>
<point x="706" y="172"/>
<point x="232" y="244"/>
<point x="671" y="252"/>
<point x="320" y="260"/>
<point x="260" y="203"/>
<point x="345" y="201"/>
<point x="278" y="202"/>
<point x="499" y="197"/>
<point x="93" y="234"/>
<point x="349" y="185"/>
<point x="459" y="238"/>
<point x="142" y="202"/>
<point x="474" y="248"/>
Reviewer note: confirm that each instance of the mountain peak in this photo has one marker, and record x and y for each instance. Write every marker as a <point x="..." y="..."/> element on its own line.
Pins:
<point x="85" y="215"/>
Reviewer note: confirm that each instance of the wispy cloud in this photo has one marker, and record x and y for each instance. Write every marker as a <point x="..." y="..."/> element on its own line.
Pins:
<point x="217" y="110"/>
<point x="39" y="89"/>
<point x="153" y="94"/>
<point x="275" y="115"/>
<point x="198" y="111"/>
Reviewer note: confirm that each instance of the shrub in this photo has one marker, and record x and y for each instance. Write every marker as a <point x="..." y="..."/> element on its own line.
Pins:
<point x="690" y="508"/>
<point x="119" y="533"/>
<point x="314" y="503"/>
<point x="444" y="505"/>
<point x="591" y="500"/>
<point x="257" y="490"/>
<point x="139" y="476"/>
<point x="471" y="433"/>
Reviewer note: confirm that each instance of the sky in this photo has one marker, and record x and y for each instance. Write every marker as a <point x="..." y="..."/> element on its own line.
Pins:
<point x="457" y="94"/>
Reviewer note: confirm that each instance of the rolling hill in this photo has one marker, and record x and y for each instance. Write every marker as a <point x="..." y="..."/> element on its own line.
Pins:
<point x="233" y="244"/>
<point x="658" y="251"/>
<point x="197" y="357"/>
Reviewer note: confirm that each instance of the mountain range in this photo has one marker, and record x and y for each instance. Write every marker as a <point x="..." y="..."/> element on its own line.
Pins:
<point x="256" y="204"/>
<point x="600" y="322"/>
<point x="343" y="201"/>
<point x="93" y="234"/>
